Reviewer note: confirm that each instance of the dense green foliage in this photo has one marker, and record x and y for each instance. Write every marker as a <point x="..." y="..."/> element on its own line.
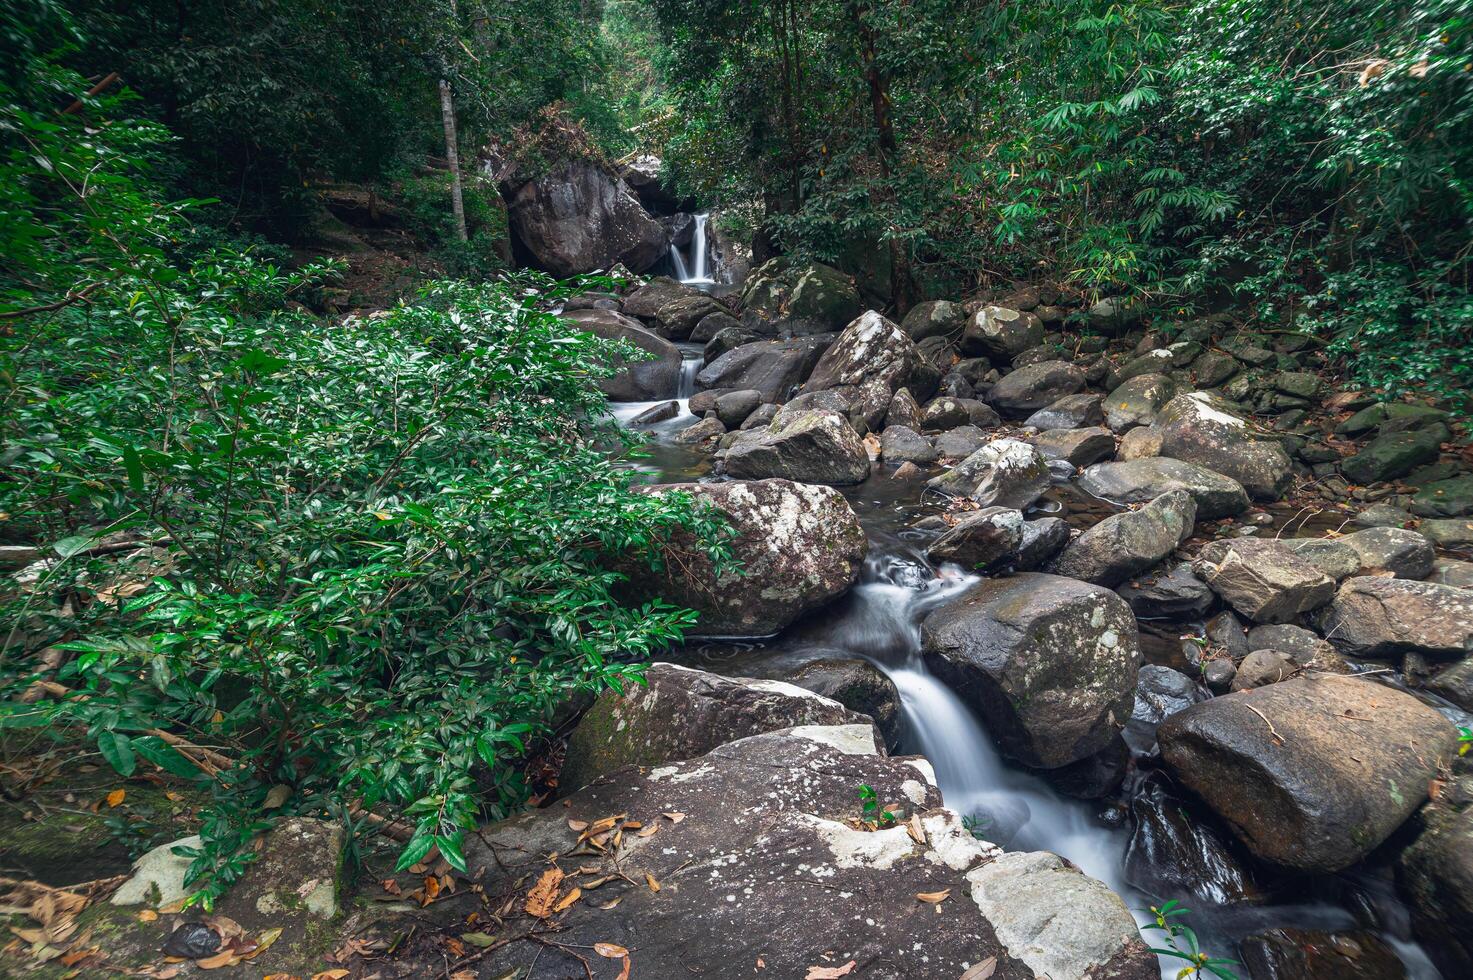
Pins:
<point x="337" y="566"/>
<point x="1313" y="158"/>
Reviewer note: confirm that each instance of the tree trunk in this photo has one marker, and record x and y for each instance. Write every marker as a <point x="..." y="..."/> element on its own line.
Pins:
<point x="452" y="157"/>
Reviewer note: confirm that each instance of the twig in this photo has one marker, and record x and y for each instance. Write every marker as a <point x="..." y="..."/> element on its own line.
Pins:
<point x="1271" y="729"/>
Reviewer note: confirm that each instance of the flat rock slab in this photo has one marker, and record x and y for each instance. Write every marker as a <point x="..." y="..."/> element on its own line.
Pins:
<point x="1378" y="617"/>
<point x="1139" y="481"/>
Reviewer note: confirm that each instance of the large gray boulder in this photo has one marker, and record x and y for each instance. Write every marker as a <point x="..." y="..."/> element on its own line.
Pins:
<point x="1199" y="428"/>
<point x="730" y="874"/>
<point x="579" y="219"/>
<point x="678" y="713"/>
<point x="1263" y="580"/>
<point x="1077" y="447"/>
<point x="1070" y="412"/>
<point x="798" y="546"/>
<point x="1138" y="401"/>
<point x="982" y="540"/>
<point x="773" y="367"/>
<point x="636" y="381"/>
<point x="1022" y="392"/>
<point x="1001" y="334"/>
<point x="1383" y="618"/>
<point x="1403" y="553"/>
<point x="1311" y="773"/>
<point x="1050" y="663"/>
<point x="1003" y="473"/>
<point x="1130" y="542"/>
<point x="812" y="447"/>
<point x="1435" y="877"/>
<point x="869" y="362"/>
<point x="1138" y="481"/>
<point x="808" y="295"/>
<point x="934" y="318"/>
<point x="646" y="301"/>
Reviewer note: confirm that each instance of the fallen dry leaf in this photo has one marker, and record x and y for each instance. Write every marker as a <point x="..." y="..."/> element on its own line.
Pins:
<point x="914" y="828"/>
<point x="330" y="975"/>
<point x="608" y="905"/>
<point x="675" y="817"/>
<point x="543" y="895"/>
<point x="578" y="825"/>
<point x="933" y="897"/>
<point x="650" y="880"/>
<point x="830" y="972"/>
<point x="116" y="797"/>
<point x="610" y="951"/>
<point x="649" y="831"/>
<point x="277" y="796"/>
<point x="264" y="943"/>
<point x="226" y="957"/>
<point x="568" y="900"/>
<point x="982" y="970"/>
<point x="624" y="971"/>
<point x="148" y="915"/>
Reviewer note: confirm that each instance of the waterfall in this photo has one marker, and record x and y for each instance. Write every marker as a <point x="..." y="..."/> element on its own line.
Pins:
<point x="694" y="271"/>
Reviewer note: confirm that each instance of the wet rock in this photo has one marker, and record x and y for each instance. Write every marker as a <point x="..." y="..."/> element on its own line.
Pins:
<point x="859" y="686"/>
<point x="733" y="407"/>
<point x="578" y="219"/>
<point x="708" y="326"/>
<point x="1198" y="428"/>
<point x="945" y="412"/>
<point x="1042" y="540"/>
<point x="1130" y="542"/>
<point x="1138" y="481"/>
<point x="1000" y="334"/>
<point x="1050" y="663"/>
<point x="1263" y="667"/>
<point x="1330" y="555"/>
<point x="1022" y="392"/>
<point x="1435" y="876"/>
<point x="936" y="318"/>
<point x="1391" y="456"/>
<point x="767" y="816"/>
<point x="1138" y="401"/>
<point x="961" y="442"/>
<point x="1172" y="853"/>
<point x="1141" y="442"/>
<point x="662" y="412"/>
<point x="901" y="445"/>
<point x="799" y="546"/>
<point x="1454" y="683"/>
<point x="904" y="411"/>
<point x="807" y="293"/>
<point x="1311" y="773"/>
<point x="645" y="302"/>
<point x="982" y="540"/>
<point x="1173" y="593"/>
<point x="1218" y="675"/>
<point x="1449" y="533"/>
<point x="1160" y="693"/>
<point x="729" y="339"/>
<point x="773" y="367"/>
<point x="1263" y="580"/>
<point x="703" y="435"/>
<point x="1003" y="473"/>
<point x="1403" y="553"/>
<point x="1305" y="648"/>
<point x="636" y="381"/>
<point x="1079" y="447"/>
<point x="1382" y="618"/>
<point x="680" y="713"/>
<point x="1303" y="954"/>
<point x="1070" y="412"/>
<point x="1445" y="498"/>
<point x="813" y="447"/>
<point x="677" y="319"/>
<point x="842" y="402"/>
<point x="871" y="360"/>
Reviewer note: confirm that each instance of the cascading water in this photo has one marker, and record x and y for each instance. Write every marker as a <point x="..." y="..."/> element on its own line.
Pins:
<point x="693" y="272"/>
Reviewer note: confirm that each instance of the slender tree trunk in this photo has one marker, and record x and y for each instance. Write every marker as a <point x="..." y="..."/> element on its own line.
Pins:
<point x="452" y="157"/>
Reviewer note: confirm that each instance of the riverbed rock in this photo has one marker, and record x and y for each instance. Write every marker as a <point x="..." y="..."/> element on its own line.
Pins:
<point x="946" y="412"/>
<point x="764" y="818"/>
<point x="812" y="447"/>
<point x="1070" y="412"/>
<point x="1403" y="553"/>
<point x="1138" y="401"/>
<point x="1306" y="954"/>
<point x="899" y="444"/>
<point x="1022" y="392"/>
<point x="1383" y="618"/>
<point x="798" y="546"/>
<point x="1042" y="540"/>
<point x="773" y="367"/>
<point x="934" y="318"/>
<point x="636" y="381"/>
<point x="1263" y="580"/>
<point x="1330" y="555"/>
<point x="677" y="319"/>
<point x="1049" y="662"/>
<point x="961" y="442"/>
<point x="1130" y="542"/>
<point x="810" y="294"/>
<point x="982" y="540"/>
<point x="1263" y="667"/>
<point x="904" y="411"/>
<point x="1167" y="593"/>
<point x="646" y="301"/>
<point x="1200" y="428"/>
<point x="733" y="407"/>
<point x="871" y="360"/>
<point x="1435" y="876"/>
<point x="1138" y="481"/>
<point x="1173" y="852"/>
<point x="578" y="219"/>
<point x="1307" y="650"/>
<point x="1003" y="473"/>
<point x="1455" y="683"/>
<point x="1311" y="773"/>
<point x="1000" y="334"/>
<point x="679" y="713"/>
<point x="1391" y="456"/>
<point x="1452" y="497"/>
<point x="859" y="686"/>
<point x="1078" y="447"/>
<point x="299" y="874"/>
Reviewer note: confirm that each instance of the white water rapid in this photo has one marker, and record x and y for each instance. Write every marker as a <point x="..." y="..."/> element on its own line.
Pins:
<point x="694" y="271"/>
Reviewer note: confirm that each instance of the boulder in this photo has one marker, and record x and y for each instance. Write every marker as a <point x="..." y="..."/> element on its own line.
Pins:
<point x="809" y="294"/>
<point x="729" y="339"/>
<point x="1198" y="428"/>
<point x="946" y="412"/>
<point x="798" y="546"/>
<point x="1450" y="571"/>
<point x="1263" y="580"/>
<point x="703" y="435"/>
<point x="1452" y="497"/>
<point x="678" y="713"/>
<point x="1142" y="442"/>
<point x="1435" y="877"/>
<point x="1391" y="456"/>
<point x="300" y="874"/>
<point x="1449" y="532"/>
<point x="901" y="445"/>
<point x="636" y="381"/>
<point x="982" y="540"/>
<point x="1173" y="852"/>
<point x="677" y="319"/>
<point x="935" y="318"/>
<point x="1383" y="618"/>
<point x="1304" y="954"/>
<point x="1003" y="473"/>
<point x="1001" y="334"/>
<point x="812" y="447"/>
<point x="1078" y="447"/>
<point x="1130" y="542"/>
<point x="859" y="686"/>
<point x="760" y="821"/>
<point x="842" y="402"/>
<point x="712" y="324"/>
<point x="961" y="442"/>
<point x="1050" y="663"/>
<point x="1042" y="539"/>
<point x="1070" y="412"/>
<point x="662" y="412"/>
<point x="1403" y="553"/>
<point x="868" y="363"/>
<point x="1311" y="773"/>
<point x="1263" y="667"/>
<point x="1173" y="593"/>
<point x="646" y="301"/>
<point x="1330" y="555"/>
<point x="1138" y="401"/>
<point x="1137" y="481"/>
<point x="904" y="411"/>
<point x="1455" y="683"/>
<point x="733" y="407"/>
<point x="1022" y="392"/>
<point x="578" y="219"/>
<point x="1307" y="650"/>
<point x="773" y="367"/>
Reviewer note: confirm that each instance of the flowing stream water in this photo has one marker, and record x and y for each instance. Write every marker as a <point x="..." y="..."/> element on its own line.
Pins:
<point x="1124" y="841"/>
<point x="693" y="272"/>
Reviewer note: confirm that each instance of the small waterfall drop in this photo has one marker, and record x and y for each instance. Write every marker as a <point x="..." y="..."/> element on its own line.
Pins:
<point x="693" y="272"/>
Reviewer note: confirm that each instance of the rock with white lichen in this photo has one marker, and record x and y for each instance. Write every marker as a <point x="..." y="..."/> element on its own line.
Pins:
<point x="870" y="361"/>
<point x="1003" y="473"/>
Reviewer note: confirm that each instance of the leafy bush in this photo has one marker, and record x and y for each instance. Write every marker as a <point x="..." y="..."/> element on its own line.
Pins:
<point x="316" y="566"/>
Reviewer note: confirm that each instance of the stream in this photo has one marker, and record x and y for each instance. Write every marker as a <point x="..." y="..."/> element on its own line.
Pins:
<point x="1145" y="843"/>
